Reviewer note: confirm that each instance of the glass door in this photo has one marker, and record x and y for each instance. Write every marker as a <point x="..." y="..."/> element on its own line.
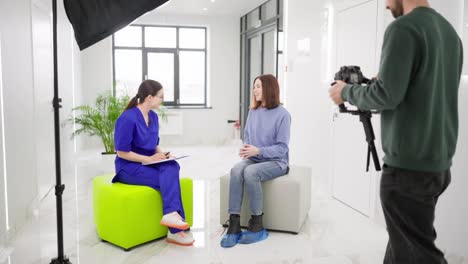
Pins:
<point x="261" y="58"/>
<point x="260" y="50"/>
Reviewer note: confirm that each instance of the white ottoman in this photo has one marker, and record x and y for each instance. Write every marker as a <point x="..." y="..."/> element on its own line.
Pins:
<point x="286" y="201"/>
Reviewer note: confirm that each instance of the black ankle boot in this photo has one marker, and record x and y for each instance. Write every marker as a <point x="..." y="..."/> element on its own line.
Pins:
<point x="234" y="224"/>
<point x="256" y="223"/>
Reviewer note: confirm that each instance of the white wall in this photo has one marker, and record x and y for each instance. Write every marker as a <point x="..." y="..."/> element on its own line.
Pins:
<point x="96" y="77"/>
<point x="96" y="70"/>
<point x="3" y="198"/>
<point x="200" y="126"/>
<point x="307" y="91"/>
<point x="27" y="93"/>
<point x="452" y="211"/>
<point x="15" y="27"/>
<point x="43" y="82"/>
<point x="308" y="101"/>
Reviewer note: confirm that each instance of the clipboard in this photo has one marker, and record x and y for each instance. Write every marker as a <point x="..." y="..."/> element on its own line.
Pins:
<point x="165" y="160"/>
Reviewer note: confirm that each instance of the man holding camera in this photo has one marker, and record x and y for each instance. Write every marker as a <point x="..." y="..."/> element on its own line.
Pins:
<point x="417" y="94"/>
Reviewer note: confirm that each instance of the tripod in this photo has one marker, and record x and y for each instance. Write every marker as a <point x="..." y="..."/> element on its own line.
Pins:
<point x="365" y="118"/>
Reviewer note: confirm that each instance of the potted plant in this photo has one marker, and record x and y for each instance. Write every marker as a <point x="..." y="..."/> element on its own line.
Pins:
<point x="99" y="120"/>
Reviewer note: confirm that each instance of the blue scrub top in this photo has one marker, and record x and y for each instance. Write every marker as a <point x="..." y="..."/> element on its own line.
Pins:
<point x="132" y="134"/>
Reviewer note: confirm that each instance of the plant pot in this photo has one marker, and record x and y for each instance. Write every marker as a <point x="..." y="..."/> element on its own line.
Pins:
<point x="108" y="153"/>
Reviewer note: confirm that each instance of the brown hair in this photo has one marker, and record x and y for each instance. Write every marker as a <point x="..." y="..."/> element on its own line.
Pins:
<point x="147" y="87"/>
<point x="270" y="92"/>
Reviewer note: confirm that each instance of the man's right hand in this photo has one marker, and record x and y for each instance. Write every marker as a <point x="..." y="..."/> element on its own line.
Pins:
<point x="335" y="92"/>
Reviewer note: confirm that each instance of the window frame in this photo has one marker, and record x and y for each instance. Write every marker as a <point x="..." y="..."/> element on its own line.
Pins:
<point x="145" y="50"/>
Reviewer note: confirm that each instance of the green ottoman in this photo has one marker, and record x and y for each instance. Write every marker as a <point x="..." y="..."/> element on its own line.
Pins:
<point x="128" y="215"/>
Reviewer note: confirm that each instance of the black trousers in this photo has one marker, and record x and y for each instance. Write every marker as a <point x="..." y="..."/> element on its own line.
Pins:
<point x="409" y="200"/>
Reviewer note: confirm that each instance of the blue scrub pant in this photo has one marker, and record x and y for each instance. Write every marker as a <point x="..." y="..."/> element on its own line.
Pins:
<point x="163" y="177"/>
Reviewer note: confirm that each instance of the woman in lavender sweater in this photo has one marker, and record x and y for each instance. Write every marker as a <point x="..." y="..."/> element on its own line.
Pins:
<point x="265" y="156"/>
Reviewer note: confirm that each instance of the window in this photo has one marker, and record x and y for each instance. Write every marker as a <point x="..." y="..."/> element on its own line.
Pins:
<point x="172" y="55"/>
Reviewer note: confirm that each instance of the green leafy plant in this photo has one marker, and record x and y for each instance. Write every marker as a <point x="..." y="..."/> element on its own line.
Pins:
<point x="99" y="120"/>
<point x="162" y="113"/>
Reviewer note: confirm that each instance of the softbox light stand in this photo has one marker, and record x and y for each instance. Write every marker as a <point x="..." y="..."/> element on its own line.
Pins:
<point x="59" y="187"/>
<point x="92" y="21"/>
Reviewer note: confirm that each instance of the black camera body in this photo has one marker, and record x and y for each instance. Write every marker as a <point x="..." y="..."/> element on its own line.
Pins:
<point x="351" y="75"/>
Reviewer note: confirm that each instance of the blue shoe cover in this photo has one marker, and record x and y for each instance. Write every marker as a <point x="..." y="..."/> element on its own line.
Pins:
<point x="248" y="237"/>
<point x="230" y="240"/>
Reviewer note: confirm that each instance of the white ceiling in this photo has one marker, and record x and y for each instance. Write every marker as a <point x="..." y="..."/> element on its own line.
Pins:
<point x="216" y="8"/>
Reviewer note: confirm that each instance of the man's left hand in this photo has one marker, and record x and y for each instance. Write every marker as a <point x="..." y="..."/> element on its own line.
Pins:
<point x="335" y="92"/>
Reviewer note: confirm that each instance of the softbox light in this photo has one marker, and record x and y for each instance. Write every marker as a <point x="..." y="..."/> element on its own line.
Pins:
<point x="94" y="20"/>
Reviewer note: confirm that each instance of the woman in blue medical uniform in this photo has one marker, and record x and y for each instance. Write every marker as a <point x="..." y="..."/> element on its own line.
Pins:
<point x="136" y="142"/>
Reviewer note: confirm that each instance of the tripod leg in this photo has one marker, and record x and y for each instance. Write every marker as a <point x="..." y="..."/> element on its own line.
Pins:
<point x="368" y="158"/>
<point x="375" y="157"/>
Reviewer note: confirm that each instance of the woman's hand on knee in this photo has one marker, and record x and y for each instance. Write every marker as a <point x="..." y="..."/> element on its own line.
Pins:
<point x="248" y="151"/>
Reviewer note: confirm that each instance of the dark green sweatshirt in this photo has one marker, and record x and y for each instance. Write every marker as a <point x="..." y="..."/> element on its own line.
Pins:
<point x="417" y="91"/>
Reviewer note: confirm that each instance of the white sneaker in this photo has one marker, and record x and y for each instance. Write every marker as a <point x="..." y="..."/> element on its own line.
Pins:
<point x="174" y="220"/>
<point x="181" y="238"/>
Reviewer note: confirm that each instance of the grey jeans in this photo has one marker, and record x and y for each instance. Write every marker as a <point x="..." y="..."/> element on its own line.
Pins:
<point x="252" y="174"/>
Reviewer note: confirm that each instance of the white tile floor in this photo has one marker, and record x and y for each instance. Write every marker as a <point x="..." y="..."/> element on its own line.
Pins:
<point x="332" y="234"/>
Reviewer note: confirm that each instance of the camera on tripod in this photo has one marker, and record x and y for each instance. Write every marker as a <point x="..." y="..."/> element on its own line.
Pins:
<point x="353" y="75"/>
